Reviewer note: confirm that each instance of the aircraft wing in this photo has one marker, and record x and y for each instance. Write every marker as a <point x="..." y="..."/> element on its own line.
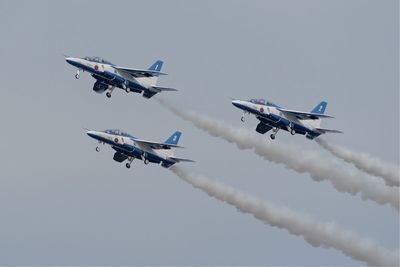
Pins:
<point x="301" y="115"/>
<point x="323" y="130"/>
<point x="156" y="145"/>
<point x="138" y="73"/>
<point x="181" y="159"/>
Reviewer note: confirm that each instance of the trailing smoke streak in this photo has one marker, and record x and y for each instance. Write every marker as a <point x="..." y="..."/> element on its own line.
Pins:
<point x="296" y="159"/>
<point x="364" y="162"/>
<point x="317" y="234"/>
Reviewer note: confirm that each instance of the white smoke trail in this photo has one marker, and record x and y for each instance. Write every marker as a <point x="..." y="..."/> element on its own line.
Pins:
<point x="296" y="159"/>
<point x="364" y="162"/>
<point x="317" y="234"/>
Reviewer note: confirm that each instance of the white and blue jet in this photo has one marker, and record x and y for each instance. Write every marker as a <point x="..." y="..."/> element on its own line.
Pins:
<point x="110" y="76"/>
<point x="273" y="117"/>
<point x="128" y="147"/>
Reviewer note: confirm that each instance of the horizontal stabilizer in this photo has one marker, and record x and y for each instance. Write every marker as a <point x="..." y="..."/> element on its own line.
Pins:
<point x="322" y="130"/>
<point x="149" y="94"/>
<point x="181" y="159"/>
<point x="155" y="90"/>
<point x="160" y="89"/>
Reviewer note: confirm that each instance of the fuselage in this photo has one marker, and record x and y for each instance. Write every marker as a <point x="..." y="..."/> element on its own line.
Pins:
<point x="269" y="114"/>
<point x="125" y="144"/>
<point x="104" y="72"/>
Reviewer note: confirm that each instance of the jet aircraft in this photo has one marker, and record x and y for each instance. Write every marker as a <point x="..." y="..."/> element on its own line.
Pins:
<point x="110" y="76"/>
<point x="128" y="147"/>
<point x="273" y="117"/>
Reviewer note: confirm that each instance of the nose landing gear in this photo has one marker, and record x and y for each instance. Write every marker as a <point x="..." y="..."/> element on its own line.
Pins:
<point x="98" y="147"/>
<point x="243" y="118"/>
<point x="77" y="74"/>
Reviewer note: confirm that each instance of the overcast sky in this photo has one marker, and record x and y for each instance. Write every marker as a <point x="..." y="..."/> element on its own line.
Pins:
<point x="61" y="203"/>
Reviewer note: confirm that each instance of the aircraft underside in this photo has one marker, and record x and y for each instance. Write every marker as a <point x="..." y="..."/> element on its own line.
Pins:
<point x="121" y="155"/>
<point x="276" y="123"/>
<point x="102" y="84"/>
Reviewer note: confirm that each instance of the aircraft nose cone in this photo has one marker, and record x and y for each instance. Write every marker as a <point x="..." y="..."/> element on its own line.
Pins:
<point x="70" y="60"/>
<point x="92" y="134"/>
<point x="73" y="61"/>
<point x="237" y="103"/>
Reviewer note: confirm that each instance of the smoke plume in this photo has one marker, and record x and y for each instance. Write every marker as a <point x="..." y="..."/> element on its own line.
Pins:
<point x="317" y="234"/>
<point x="364" y="162"/>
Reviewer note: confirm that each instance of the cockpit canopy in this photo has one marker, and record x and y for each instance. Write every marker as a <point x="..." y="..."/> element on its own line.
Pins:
<point x="118" y="132"/>
<point x="98" y="60"/>
<point x="262" y="102"/>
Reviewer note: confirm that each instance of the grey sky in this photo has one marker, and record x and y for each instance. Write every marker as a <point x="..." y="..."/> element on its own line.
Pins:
<point x="62" y="203"/>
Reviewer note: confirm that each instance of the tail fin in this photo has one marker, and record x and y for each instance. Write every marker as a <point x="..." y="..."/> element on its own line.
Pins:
<point x="156" y="65"/>
<point x="152" y="81"/>
<point x="173" y="139"/>
<point x="320" y="109"/>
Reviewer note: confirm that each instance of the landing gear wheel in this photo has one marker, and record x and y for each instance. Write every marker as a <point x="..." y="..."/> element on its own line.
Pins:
<point x="242" y="119"/>
<point x="128" y="165"/>
<point x="97" y="149"/>
<point x="108" y="94"/>
<point x="146" y="161"/>
<point x="292" y="132"/>
<point x="127" y="89"/>
<point x="272" y="136"/>
<point x="77" y="76"/>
